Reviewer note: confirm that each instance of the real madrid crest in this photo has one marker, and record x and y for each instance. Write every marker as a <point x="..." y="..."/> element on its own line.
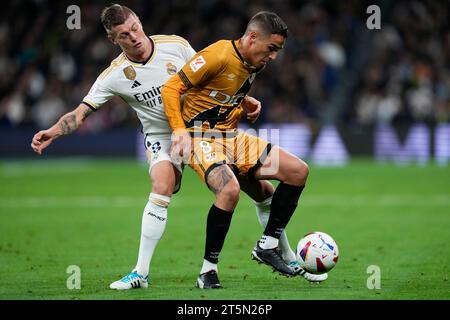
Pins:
<point x="130" y="73"/>
<point x="171" y="68"/>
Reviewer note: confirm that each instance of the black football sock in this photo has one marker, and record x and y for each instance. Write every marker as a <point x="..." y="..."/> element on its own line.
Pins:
<point x="284" y="203"/>
<point x="217" y="226"/>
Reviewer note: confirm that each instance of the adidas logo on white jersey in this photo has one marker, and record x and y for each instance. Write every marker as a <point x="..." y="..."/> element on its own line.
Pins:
<point x="135" y="84"/>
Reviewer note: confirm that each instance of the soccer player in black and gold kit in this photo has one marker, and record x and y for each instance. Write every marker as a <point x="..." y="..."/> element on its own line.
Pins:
<point x="215" y="83"/>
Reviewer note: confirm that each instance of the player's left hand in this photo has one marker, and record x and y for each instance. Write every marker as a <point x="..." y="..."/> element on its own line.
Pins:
<point x="253" y="108"/>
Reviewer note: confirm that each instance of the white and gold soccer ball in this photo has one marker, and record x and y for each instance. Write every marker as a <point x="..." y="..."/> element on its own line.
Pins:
<point x="317" y="252"/>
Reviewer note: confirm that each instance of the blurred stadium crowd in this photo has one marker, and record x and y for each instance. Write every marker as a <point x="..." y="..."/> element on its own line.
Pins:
<point x="332" y="69"/>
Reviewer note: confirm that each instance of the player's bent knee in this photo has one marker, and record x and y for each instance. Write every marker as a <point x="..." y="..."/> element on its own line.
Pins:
<point x="228" y="197"/>
<point x="303" y="170"/>
<point x="298" y="173"/>
<point x="230" y="192"/>
<point x="164" y="188"/>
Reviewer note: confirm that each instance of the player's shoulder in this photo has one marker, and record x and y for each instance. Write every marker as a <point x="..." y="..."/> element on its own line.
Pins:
<point x="219" y="50"/>
<point x="113" y="67"/>
<point x="218" y="46"/>
<point x="161" y="39"/>
<point x="223" y="44"/>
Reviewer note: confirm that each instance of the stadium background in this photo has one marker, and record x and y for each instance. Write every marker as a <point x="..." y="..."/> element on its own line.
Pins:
<point x="364" y="88"/>
<point x="333" y="69"/>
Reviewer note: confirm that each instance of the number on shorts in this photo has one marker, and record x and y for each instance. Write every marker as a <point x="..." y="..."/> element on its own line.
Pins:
<point x="206" y="148"/>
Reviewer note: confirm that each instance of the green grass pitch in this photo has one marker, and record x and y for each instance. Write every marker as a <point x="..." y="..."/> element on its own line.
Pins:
<point x="84" y="212"/>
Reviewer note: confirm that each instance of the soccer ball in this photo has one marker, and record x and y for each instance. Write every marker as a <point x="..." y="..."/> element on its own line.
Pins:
<point x="317" y="252"/>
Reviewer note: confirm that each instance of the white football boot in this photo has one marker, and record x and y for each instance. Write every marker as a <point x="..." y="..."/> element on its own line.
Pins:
<point x="130" y="281"/>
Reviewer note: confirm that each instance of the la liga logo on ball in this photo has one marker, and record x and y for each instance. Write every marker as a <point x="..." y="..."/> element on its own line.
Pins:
<point x="317" y="252"/>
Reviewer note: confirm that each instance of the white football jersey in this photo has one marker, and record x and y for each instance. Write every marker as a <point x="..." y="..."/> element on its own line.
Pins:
<point x="139" y="84"/>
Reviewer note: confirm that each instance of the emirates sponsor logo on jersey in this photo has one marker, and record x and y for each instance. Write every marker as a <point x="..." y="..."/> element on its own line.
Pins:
<point x="151" y="98"/>
<point x="197" y="63"/>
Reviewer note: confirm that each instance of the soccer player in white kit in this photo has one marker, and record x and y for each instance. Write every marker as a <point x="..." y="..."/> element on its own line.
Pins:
<point x="137" y="76"/>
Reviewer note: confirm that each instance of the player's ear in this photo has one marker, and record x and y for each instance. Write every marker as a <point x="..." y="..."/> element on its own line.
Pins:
<point x="253" y="36"/>
<point x="112" y="38"/>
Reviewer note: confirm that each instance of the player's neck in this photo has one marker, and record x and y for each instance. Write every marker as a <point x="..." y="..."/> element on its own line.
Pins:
<point x="241" y="47"/>
<point x="242" y="50"/>
<point x="145" y="55"/>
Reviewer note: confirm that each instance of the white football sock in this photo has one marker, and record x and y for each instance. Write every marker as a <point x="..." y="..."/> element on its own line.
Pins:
<point x="263" y="213"/>
<point x="268" y="242"/>
<point x="207" y="266"/>
<point x="154" y="219"/>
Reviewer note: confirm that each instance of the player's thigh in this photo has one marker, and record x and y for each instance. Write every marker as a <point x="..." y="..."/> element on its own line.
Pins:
<point x="164" y="174"/>
<point x="283" y="166"/>
<point x="249" y="153"/>
<point x="222" y="181"/>
<point x="207" y="154"/>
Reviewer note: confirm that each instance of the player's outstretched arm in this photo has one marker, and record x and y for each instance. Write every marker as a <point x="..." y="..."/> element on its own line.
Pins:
<point x="171" y="94"/>
<point x="181" y="140"/>
<point x="67" y="124"/>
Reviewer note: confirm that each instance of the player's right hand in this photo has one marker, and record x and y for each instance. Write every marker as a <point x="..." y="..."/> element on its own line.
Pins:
<point x="181" y="148"/>
<point x="41" y="140"/>
<point x="253" y="108"/>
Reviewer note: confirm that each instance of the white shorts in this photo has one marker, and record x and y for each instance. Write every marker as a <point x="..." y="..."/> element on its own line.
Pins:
<point x="158" y="149"/>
